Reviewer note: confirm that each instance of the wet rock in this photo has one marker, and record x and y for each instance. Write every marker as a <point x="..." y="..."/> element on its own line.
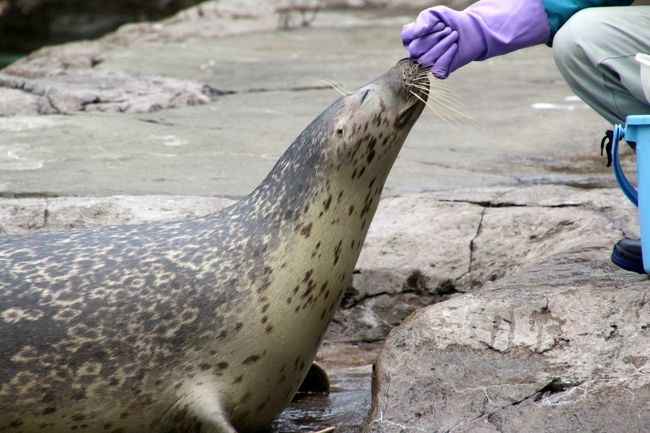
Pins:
<point x="416" y="244"/>
<point x="63" y="79"/>
<point x="369" y="320"/>
<point x="343" y="408"/>
<point x="559" y="346"/>
<point x="15" y="101"/>
<point x="207" y="20"/>
<point x="56" y="60"/>
<point x="73" y="77"/>
<point x="425" y="248"/>
<point x="101" y="90"/>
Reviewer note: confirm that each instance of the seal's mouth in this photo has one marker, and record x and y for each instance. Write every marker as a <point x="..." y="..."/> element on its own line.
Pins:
<point x="416" y="80"/>
<point x="416" y="85"/>
<point x="443" y="101"/>
<point x="407" y="114"/>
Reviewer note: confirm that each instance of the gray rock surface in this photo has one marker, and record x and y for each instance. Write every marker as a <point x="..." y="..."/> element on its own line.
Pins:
<point x="557" y="339"/>
<point x="62" y="79"/>
<point x="561" y="346"/>
<point x="102" y="90"/>
<point x="425" y="248"/>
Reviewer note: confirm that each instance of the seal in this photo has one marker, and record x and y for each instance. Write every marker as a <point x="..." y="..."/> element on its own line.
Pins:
<point x="208" y="324"/>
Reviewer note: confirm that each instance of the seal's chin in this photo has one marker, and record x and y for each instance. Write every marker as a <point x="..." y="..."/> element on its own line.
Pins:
<point x="406" y="115"/>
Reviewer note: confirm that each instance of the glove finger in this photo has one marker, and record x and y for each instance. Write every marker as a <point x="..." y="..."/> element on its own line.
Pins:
<point x="431" y="56"/>
<point x="416" y="29"/>
<point x="421" y="45"/>
<point x="441" y="69"/>
<point x="425" y="22"/>
<point x="451" y="62"/>
<point x="407" y="32"/>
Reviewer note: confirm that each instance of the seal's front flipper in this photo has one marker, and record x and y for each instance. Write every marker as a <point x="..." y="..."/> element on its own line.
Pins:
<point x="201" y="411"/>
<point x="214" y="420"/>
<point x="316" y="382"/>
<point x="218" y="425"/>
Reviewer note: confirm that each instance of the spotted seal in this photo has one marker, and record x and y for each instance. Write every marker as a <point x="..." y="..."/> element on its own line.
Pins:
<point x="208" y="324"/>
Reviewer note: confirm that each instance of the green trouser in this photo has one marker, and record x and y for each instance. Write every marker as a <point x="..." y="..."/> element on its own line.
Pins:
<point x="594" y="50"/>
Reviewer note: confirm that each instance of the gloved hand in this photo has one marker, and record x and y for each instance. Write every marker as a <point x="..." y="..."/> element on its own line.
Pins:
<point x="446" y="39"/>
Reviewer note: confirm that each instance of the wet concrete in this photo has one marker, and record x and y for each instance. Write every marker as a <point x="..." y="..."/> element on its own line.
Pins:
<point x="524" y="121"/>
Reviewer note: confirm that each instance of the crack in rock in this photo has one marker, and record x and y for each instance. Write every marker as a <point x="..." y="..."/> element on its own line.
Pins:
<point x="479" y="228"/>
<point x="554" y="385"/>
<point x="46" y="213"/>
<point x="497" y="427"/>
<point x="505" y="204"/>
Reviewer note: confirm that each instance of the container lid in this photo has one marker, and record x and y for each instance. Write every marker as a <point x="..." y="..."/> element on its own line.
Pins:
<point x="638" y="119"/>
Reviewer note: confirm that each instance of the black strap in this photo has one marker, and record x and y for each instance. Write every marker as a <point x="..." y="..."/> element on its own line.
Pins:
<point x="606" y="144"/>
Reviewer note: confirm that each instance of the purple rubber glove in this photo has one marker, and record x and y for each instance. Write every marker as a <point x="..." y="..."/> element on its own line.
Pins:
<point x="446" y="39"/>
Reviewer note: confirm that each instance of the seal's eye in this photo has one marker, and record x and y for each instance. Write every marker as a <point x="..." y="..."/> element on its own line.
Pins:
<point x="363" y="97"/>
<point x="339" y="132"/>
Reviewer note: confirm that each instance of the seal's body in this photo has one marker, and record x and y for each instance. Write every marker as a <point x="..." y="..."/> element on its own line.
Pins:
<point x="207" y="324"/>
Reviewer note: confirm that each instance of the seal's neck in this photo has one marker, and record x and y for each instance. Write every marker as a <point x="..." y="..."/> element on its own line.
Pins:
<point x="303" y="229"/>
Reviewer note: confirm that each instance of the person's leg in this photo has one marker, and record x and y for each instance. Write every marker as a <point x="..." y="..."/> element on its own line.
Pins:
<point x="595" y="52"/>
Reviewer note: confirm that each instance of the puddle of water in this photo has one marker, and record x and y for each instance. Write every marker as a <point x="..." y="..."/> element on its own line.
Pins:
<point x="168" y="140"/>
<point x="12" y="158"/>
<point x="345" y="407"/>
<point x="7" y="58"/>
<point x="25" y="123"/>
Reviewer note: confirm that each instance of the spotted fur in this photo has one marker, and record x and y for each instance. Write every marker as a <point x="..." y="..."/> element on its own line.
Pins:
<point x="207" y="324"/>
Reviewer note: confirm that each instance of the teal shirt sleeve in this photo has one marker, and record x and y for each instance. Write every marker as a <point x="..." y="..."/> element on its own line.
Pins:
<point x="559" y="11"/>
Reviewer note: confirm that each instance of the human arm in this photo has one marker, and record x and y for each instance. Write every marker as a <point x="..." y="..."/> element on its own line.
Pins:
<point x="446" y="39"/>
<point x="559" y="11"/>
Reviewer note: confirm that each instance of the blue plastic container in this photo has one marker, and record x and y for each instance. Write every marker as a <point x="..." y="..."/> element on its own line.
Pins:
<point x="637" y="129"/>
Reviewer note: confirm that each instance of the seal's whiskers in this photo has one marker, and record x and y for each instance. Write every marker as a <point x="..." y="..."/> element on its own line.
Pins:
<point x="444" y="102"/>
<point x="450" y="98"/>
<point x="442" y="114"/>
<point x="340" y="89"/>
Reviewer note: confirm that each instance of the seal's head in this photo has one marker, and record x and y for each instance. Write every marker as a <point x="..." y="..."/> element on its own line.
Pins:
<point x="379" y="114"/>
<point x="361" y="133"/>
<point x="354" y="142"/>
<point x="391" y="102"/>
